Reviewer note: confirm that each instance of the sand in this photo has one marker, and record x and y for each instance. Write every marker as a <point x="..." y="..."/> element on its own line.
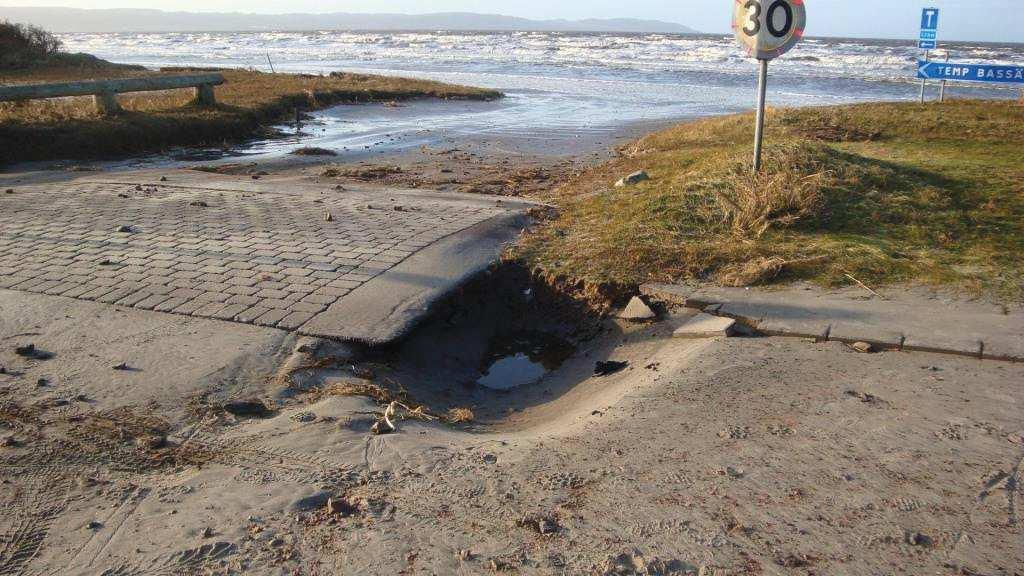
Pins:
<point x="718" y="456"/>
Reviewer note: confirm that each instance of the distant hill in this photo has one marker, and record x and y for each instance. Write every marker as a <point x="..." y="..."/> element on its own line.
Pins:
<point x="134" y="20"/>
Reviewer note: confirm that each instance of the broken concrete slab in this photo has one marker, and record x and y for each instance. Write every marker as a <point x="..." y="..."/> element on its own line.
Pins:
<point x="705" y="326"/>
<point x="637" y="311"/>
<point x="392" y="304"/>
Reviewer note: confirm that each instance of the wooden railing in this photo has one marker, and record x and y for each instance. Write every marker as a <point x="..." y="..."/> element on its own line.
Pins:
<point x="104" y="92"/>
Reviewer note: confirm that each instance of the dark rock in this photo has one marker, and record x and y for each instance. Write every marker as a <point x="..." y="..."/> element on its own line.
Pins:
<point x="163" y="178"/>
<point x="30" y="351"/>
<point x="199" y="204"/>
<point x="126" y="229"/>
<point x="253" y="408"/>
<point x="122" y="366"/>
<point x="608" y="367"/>
<point x="94" y="525"/>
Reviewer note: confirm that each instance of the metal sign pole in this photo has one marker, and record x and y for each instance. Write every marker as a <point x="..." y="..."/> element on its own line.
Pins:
<point x="762" y="91"/>
<point x="942" y="85"/>
<point x="923" y="81"/>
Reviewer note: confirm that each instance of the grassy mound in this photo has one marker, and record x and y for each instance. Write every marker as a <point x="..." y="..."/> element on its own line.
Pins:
<point x="70" y="128"/>
<point x="879" y="193"/>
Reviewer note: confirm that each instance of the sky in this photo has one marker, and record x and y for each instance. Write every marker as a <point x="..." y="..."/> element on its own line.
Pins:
<point x="986" y="20"/>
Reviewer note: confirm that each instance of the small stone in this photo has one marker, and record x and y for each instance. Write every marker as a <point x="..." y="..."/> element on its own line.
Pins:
<point x="125" y="229"/>
<point x="608" y="367"/>
<point x="208" y="532"/>
<point x="122" y="367"/>
<point x="8" y="442"/>
<point x="163" y="178"/>
<point x="304" y="417"/>
<point x="341" y="507"/>
<point x="706" y="326"/>
<point x="199" y="204"/>
<point x="42" y="382"/>
<point x="863" y="347"/>
<point x="9" y="191"/>
<point x="633" y="179"/>
<point x="328" y="217"/>
<point x="637" y="311"/>
<point x="94" y="525"/>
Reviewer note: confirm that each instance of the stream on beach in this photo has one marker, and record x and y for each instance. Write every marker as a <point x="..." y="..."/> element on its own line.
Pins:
<point x="567" y="93"/>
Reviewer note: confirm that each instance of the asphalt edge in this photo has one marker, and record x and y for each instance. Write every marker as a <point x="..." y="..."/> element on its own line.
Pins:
<point x="353" y="318"/>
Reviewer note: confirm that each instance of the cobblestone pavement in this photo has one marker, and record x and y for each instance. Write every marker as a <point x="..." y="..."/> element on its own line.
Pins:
<point x="261" y="258"/>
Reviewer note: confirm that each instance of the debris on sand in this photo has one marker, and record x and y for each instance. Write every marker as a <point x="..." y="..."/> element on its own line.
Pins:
<point x="608" y="367"/>
<point x="459" y="416"/>
<point x="247" y="408"/>
<point x="540" y="523"/>
<point x="635" y="564"/>
<point x="30" y="351"/>
<point x="123" y="367"/>
<point x="637" y="311"/>
<point x="313" y="151"/>
<point x="125" y="229"/>
<point x="199" y="204"/>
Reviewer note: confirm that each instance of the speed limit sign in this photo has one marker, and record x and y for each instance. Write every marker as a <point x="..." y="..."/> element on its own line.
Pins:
<point x="767" y="29"/>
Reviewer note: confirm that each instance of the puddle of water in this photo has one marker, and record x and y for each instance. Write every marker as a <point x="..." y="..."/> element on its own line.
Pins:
<point x="522" y="358"/>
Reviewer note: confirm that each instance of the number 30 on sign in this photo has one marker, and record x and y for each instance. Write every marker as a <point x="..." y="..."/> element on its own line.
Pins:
<point x="767" y="29"/>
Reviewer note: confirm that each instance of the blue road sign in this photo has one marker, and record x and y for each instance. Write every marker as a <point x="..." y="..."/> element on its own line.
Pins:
<point x="927" y="45"/>
<point x="929" y="35"/>
<point x="930" y="19"/>
<point x="970" y="72"/>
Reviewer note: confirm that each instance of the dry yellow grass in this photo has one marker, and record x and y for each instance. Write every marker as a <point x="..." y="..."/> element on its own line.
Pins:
<point x="880" y="192"/>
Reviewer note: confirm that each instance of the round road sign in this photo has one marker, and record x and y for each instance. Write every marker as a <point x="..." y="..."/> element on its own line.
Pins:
<point x="767" y="29"/>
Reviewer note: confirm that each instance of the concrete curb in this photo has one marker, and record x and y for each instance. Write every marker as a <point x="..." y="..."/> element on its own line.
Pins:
<point x="906" y="324"/>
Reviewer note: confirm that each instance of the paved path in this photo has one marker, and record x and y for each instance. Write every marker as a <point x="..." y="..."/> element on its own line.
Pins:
<point x="268" y="254"/>
<point x="913" y="319"/>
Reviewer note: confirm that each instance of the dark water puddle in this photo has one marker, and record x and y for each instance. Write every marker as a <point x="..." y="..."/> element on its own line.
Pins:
<point x="522" y="358"/>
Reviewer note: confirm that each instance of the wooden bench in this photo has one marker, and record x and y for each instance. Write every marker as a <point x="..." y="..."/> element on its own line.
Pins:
<point x="104" y="92"/>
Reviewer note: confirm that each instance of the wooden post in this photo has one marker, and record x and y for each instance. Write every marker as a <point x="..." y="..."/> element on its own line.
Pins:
<point x="107" y="104"/>
<point x="205" y="96"/>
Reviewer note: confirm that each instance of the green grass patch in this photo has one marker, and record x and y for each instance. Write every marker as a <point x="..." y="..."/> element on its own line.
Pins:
<point x="878" y="192"/>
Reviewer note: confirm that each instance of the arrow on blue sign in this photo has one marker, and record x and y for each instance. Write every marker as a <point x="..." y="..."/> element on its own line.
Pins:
<point x="970" y="72"/>
<point x="927" y="45"/>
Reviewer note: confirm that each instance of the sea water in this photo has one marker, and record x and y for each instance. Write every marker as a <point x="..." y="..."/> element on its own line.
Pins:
<point x="558" y="85"/>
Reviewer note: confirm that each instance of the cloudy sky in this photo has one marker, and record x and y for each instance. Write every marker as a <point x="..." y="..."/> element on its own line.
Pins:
<point x="992" y="20"/>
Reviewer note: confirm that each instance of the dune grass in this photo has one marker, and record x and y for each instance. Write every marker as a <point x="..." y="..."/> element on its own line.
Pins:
<point x="882" y="193"/>
<point x="70" y="128"/>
